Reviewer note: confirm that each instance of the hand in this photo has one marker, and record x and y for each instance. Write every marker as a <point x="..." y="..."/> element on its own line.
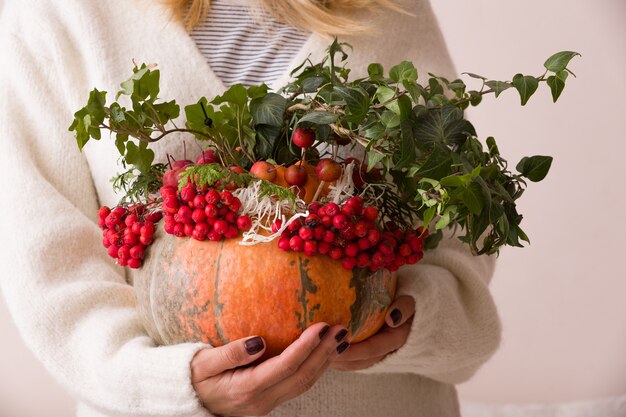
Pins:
<point x="223" y="388"/>
<point x="391" y="337"/>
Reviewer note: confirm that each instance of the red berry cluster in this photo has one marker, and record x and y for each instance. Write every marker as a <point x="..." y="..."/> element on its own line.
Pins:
<point x="203" y="214"/>
<point x="349" y="233"/>
<point x="127" y="232"/>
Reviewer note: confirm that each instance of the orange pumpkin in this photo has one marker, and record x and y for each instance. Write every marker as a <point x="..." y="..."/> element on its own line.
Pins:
<point x="217" y="292"/>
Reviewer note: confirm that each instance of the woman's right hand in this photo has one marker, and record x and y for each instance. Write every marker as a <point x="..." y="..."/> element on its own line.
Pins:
<point x="257" y="390"/>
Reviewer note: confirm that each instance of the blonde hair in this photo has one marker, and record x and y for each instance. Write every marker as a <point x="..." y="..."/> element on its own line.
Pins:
<point x="326" y="17"/>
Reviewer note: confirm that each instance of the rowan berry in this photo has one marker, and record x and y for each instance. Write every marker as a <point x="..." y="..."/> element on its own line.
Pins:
<point x="211" y="211"/>
<point x="198" y="215"/>
<point x="364" y="244"/>
<point x="327" y="221"/>
<point x="332" y="209"/>
<point x="220" y="226"/>
<point x="336" y="253"/>
<point x="113" y="251"/>
<point x="329" y="236"/>
<point x="188" y="193"/>
<point x="310" y="248"/>
<point x="306" y="233"/>
<point x="123" y="252"/>
<point x="137" y="252"/>
<point x="212" y="197"/>
<point x="244" y="222"/>
<point x="340" y="221"/>
<point x="314" y="207"/>
<point x="373" y="236"/>
<point x="370" y="213"/>
<point x="361" y="229"/>
<point x="283" y="243"/>
<point x="323" y="247"/>
<point x="231" y="217"/>
<point x="349" y="263"/>
<point x="404" y="249"/>
<point x="296" y="244"/>
<point x="351" y="250"/>
<point x="183" y="215"/>
<point x="276" y="225"/>
<point x="235" y="205"/>
<point x="134" y="263"/>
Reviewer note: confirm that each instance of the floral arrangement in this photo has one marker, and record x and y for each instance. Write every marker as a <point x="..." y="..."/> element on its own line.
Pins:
<point x="366" y="171"/>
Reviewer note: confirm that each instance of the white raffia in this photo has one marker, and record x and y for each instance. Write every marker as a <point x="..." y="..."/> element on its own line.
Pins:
<point x="264" y="212"/>
<point x="344" y="188"/>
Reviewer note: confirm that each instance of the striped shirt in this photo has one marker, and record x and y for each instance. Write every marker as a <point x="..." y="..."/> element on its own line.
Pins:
<point x="242" y="46"/>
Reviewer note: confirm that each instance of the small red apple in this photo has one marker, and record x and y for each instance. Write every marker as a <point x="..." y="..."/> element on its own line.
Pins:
<point x="181" y="163"/>
<point x="171" y="177"/>
<point x="303" y="137"/>
<point x="208" y="157"/>
<point x="296" y="175"/>
<point x="328" y="170"/>
<point x="264" y="170"/>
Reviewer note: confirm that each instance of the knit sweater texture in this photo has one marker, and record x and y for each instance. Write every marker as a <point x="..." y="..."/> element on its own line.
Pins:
<point x="74" y="307"/>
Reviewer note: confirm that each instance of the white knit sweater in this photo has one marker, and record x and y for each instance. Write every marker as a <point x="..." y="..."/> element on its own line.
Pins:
<point x="73" y="306"/>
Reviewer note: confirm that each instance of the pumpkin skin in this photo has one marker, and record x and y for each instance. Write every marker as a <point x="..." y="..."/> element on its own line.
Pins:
<point x="217" y="292"/>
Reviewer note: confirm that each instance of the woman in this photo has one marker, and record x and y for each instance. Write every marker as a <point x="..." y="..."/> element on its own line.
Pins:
<point x="74" y="307"/>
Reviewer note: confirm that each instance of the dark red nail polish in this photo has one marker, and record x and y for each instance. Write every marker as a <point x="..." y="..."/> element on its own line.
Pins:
<point x="254" y="345"/>
<point x="324" y="331"/>
<point x="339" y="336"/>
<point x="342" y="347"/>
<point x="396" y="316"/>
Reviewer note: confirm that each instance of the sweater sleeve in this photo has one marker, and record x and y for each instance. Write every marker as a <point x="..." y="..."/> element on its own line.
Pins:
<point x="71" y="304"/>
<point x="456" y="326"/>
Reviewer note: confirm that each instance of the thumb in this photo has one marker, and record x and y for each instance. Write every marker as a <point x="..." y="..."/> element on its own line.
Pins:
<point x="401" y="310"/>
<point x="213" y="361"/>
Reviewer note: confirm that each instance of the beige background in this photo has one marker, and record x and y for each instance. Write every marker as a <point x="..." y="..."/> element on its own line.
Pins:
<point x="562" y="298"/>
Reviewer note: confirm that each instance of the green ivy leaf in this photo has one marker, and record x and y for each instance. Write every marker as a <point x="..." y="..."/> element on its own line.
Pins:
<point x="357" y="103"/>
<point x="257" y="91"/>
<point x="372" y="159"/>
<point x="269" y="109"/>
<point x="405" y="70"/>
<point x="558" y="62"/>
<point x="557" y="84"/>
<point x="390" y="119"/>
<point x="319" y="118"/>
<point x="375" y="131"/>
<point x="87" y="120"/>
<point x="429" y="214"/>
<point x="139" y="156"/>
<point x="445" y="125"/>
<point x="415" y="90"/>
<point x="311" y="84"/>
<point x="437" y="165"/>
<point x="535" y="168"/>
<point x="473" y="198"/>
<point x="526" y="85"/>
<point x="479" y="77"/>
<point x="375" y="70"/>
<point x="195" y="116"/>
<point x="167" y="111"/>
<point x="120" y="143"/>
<point x="236" y="94"/>
<point x="498" y="86"/>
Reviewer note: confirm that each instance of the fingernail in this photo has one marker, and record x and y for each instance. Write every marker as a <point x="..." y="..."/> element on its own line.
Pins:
<point x="396" y="316"/>
<point x="342" y="347"/>
<point x="339" y="336"/>
<point x="324" y="331"/>
<point x="254" y="345"/>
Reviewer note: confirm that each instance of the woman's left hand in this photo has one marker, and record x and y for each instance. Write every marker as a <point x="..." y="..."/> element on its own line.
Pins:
<point x="391" y="337"/>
